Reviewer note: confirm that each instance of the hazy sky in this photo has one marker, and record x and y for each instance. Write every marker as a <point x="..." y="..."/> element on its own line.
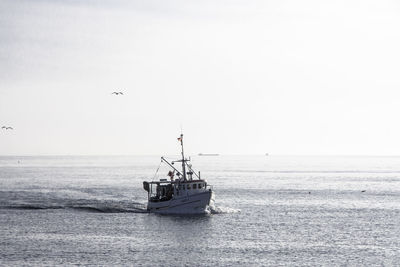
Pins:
<point x="241" y="77"/>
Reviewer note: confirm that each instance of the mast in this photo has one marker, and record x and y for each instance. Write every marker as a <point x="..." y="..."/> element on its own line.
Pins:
<point x="183" y="158"/>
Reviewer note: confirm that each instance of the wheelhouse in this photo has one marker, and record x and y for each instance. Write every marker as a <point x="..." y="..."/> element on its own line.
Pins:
<point x="164" y="190"/>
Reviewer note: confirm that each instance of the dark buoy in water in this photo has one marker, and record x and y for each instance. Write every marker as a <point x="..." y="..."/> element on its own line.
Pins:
<point x="309" y="192"/>
<point x="363" y="191"/>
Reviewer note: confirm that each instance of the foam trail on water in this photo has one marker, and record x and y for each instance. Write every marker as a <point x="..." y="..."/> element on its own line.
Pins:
<point x="222" y="210"/>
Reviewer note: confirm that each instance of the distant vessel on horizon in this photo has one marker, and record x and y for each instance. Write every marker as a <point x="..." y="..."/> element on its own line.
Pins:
<point x="208" y="154"/>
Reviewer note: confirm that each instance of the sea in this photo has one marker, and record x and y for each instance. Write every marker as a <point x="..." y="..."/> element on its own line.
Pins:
<point x="268" y="211"/>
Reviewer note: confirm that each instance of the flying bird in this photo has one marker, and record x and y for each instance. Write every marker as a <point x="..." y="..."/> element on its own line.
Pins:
<point x="7" y="128"/>
<point x="117" y="93"/>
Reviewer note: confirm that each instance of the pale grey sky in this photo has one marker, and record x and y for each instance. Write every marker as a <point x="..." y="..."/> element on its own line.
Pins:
<point x="242" y="77"/>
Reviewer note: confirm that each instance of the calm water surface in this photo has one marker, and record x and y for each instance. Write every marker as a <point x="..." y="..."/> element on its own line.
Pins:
<point x="271" y="210"/>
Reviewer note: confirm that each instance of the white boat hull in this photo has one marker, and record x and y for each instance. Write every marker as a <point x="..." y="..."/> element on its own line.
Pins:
<point x="191" y="204"/>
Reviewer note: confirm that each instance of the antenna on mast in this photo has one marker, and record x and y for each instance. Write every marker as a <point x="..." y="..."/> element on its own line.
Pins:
<point x="183" y="157"/>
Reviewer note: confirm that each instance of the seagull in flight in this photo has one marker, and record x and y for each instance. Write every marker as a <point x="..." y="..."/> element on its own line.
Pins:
<point x="7" y="128"/>
<point x="117" y="93"/>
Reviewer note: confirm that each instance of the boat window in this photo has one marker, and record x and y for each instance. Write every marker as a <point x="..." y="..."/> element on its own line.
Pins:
<point x="200" y="186"/>
<point x="188" y="186"/>
<point x="195" y="186"/>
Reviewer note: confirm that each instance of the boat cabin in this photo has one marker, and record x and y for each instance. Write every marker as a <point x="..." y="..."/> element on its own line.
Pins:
<point x="164" y="190"/>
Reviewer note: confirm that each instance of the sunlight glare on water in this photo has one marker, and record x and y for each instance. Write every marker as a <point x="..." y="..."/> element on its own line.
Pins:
<point x="271" y="210"/>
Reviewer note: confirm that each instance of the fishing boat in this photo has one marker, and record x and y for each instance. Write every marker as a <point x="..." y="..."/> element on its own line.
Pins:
<point x="184" y="192"/>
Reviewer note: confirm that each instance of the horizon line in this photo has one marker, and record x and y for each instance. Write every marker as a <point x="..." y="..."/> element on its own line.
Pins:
<point x="159" y="155"/>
